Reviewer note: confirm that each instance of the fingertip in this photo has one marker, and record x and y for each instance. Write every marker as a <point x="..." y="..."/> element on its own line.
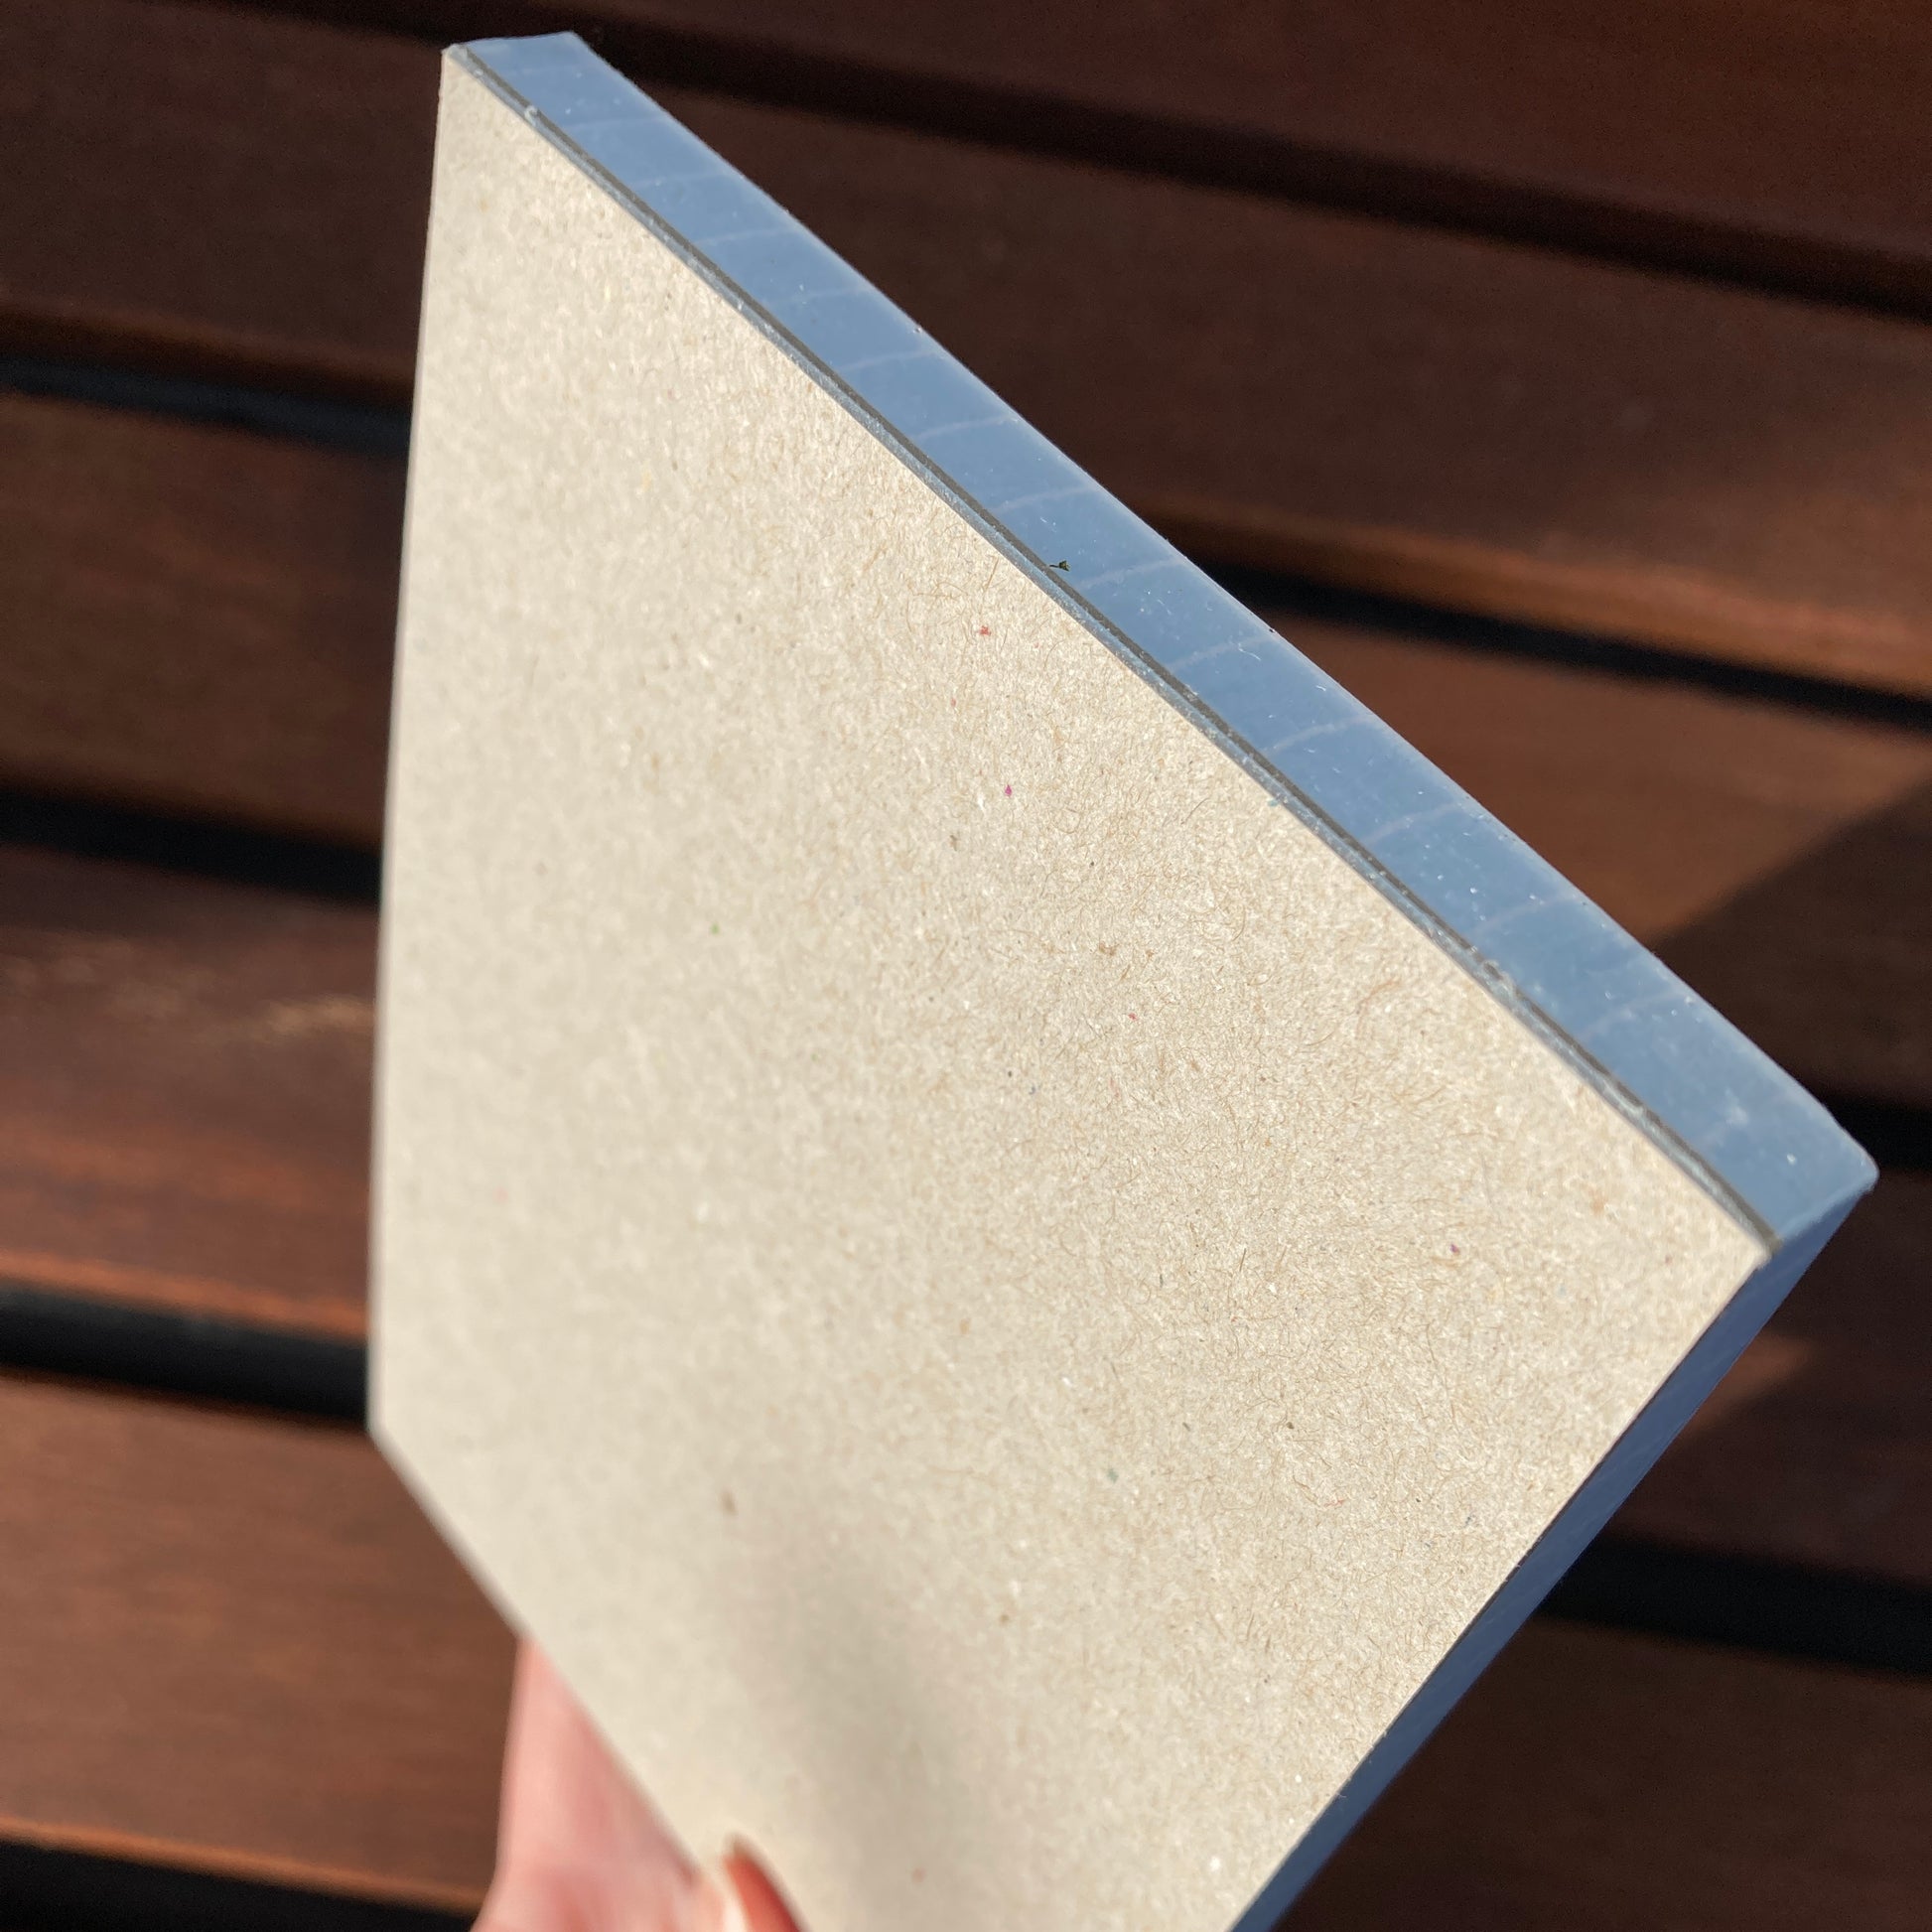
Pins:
<point x="737" y="1895"/>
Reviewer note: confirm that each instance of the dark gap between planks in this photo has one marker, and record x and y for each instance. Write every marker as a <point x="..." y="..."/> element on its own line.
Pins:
<point x="1821" y="1616"/>
<point x="51" y="1332"/>
<point x="71" y="1891"/>
<point x="1897" y="1137"/>
<point x="1282" y="599"/>
<point x="361" y="428"/>
<point x="238" y="853"/>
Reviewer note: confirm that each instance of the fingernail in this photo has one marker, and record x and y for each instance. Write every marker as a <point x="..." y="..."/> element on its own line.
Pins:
<point x="735" y="1894"/>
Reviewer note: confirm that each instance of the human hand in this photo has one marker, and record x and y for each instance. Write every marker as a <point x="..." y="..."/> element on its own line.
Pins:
<point x="579" y="1849"/>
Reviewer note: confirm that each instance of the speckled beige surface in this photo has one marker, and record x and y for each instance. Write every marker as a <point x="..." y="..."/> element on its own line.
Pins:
<point x="994" y="1303"/>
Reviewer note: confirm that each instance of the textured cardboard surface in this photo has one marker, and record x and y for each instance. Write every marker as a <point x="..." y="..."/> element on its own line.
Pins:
<point x="992" y="1301"/>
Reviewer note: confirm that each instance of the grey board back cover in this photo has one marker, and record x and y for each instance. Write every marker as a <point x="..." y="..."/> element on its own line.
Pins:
<point x="610" y="309"/>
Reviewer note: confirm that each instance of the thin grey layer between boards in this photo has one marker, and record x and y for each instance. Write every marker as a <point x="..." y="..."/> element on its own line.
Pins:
<point x="1743" y="1128"/>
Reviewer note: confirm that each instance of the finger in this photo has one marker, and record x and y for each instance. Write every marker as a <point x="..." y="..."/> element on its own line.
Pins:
<point x="579" y="1848"/>
<point x="737" y="1894"/>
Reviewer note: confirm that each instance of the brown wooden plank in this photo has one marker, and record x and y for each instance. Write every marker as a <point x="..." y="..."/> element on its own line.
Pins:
<point x="1849" y="1006"/>
<point x="233" y="1643"/>
<point x="1758" y="139"/>
<point x="183" y="1081"/>
<point x="1461" y="422"/>
<point x="234" y="1646"/>
<point x="1777" y="858"/>
<point x="203" y="621"/>
<point x="1594" y="1780"/>
<point x="214" y="193"/>
<point x="1817" y="1448"/>
<point x="198" y="618"/>
<point x="1476" y="424"/>
<point x="183" y="1094"/>
<point x="1664" y="801"/>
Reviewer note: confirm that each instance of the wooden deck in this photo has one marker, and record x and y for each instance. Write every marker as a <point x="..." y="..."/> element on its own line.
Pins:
<point x="1560" y="379"/>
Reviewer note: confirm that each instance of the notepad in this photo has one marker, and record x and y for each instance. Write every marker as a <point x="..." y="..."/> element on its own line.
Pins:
<point x="1018" y="1236"/>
